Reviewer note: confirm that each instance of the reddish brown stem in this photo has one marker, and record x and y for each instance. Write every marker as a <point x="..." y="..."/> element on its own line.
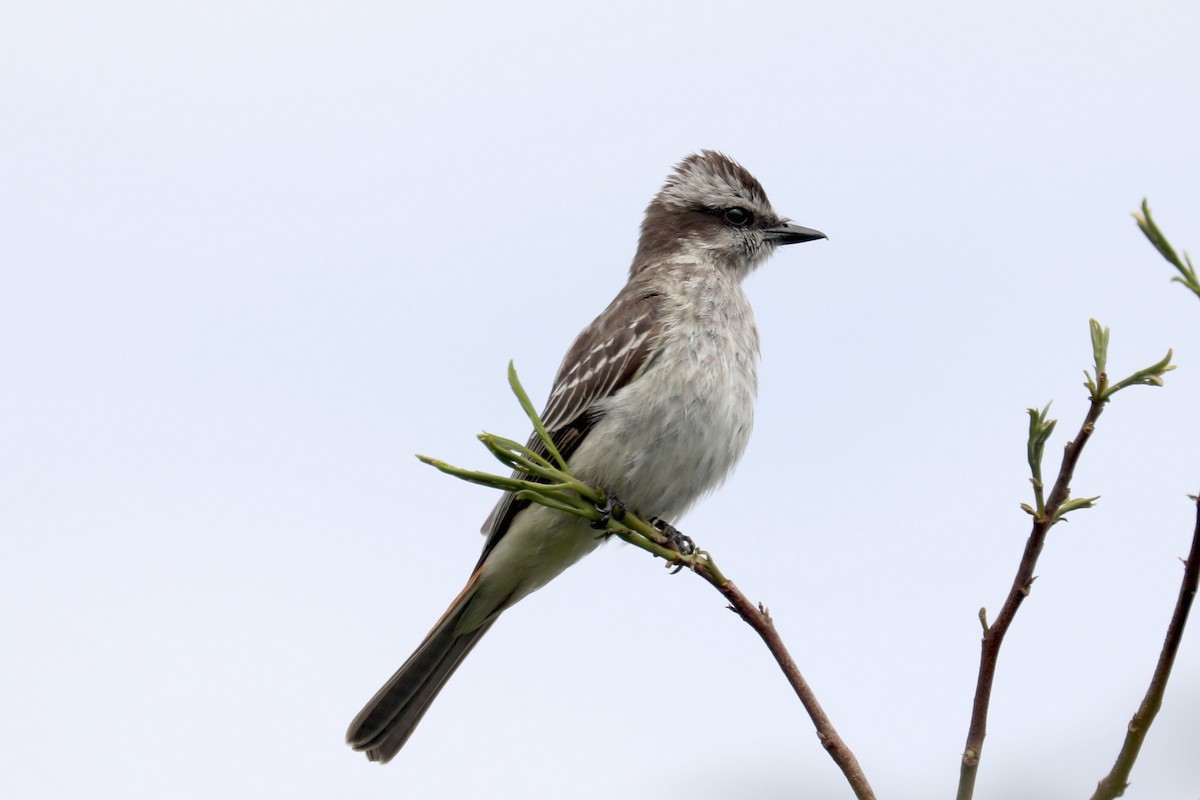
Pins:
<point x="993" y="636"/>
<point x="1115" y="782"/>
<point x="757" y="618"/>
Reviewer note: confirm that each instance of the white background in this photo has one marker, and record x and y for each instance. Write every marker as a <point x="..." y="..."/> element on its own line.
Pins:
<point x="253" y="256"/>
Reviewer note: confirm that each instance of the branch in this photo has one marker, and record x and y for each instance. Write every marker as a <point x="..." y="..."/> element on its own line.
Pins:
<point x="551" y="484"/>
<point x="1115" y="782"/>
<point x="758" y="618"/>
<point x="993" y="636"/>
<point x="1045" y="515"/>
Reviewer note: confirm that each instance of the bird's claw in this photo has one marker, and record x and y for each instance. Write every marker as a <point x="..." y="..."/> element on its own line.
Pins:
<point x="612" y="508"/>
<point x="676" y="540"/>
<point x="679" y="542"/>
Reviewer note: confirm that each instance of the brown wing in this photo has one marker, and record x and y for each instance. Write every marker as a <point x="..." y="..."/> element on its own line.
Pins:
<point x="606" y="356"/>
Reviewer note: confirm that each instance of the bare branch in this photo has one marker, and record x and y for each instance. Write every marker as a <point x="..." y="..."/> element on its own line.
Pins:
<point x="757" y="617"/>
<point x="994" y="634"/>
<point x="1115" y="782"/>
<point x="1059" y="504"/>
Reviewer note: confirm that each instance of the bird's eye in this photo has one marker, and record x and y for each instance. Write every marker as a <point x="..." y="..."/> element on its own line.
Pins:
<point x="738" y="217"/>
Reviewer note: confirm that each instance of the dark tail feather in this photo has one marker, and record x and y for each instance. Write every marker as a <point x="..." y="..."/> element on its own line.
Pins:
<point x="385" y="724"/>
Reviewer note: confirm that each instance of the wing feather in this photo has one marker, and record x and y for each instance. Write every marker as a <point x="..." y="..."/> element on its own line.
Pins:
<point x="607" y="356"/>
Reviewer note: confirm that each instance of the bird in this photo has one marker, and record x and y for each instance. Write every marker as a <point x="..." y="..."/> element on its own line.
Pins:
<point x="653" y="402"/>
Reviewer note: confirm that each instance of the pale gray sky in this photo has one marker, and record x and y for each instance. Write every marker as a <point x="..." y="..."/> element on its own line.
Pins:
<point x="256" y="255"/>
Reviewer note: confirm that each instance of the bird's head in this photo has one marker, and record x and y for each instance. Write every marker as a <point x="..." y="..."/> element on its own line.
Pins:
<point x="712" y="209"/>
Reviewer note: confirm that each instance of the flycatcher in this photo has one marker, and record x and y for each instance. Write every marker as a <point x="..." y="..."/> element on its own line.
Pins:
<point x="654" y="402"/>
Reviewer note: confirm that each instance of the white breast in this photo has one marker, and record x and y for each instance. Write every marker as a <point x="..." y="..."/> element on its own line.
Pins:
<point x="679" y="428"/>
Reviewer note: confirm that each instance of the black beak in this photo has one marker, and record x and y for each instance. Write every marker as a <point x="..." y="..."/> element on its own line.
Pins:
<point x="787" y="233"/>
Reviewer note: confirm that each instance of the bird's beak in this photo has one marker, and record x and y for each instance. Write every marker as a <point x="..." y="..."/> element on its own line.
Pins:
<point x="787" y="233"/>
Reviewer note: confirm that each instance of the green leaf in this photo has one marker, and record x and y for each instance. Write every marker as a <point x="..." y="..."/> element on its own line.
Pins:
<point x="1187" y="270"/>
<point x="1150" y="376"/>
<point x="1073" y="504"/>
<point x="530" y="412"/>
<point x="1099" y="346"/>
<point x="1040" y="429"/>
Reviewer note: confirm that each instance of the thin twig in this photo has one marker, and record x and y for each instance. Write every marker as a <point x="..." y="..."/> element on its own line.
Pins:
<point x="1115" y="782"/>
<point x="993" y="636"/>
<point x="1057" y="506"/>
<point x="757" y="617"/>
<point x="640" y="533"/>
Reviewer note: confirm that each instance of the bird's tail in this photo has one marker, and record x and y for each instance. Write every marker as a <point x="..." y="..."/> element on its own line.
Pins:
<point x="386" y="722"/>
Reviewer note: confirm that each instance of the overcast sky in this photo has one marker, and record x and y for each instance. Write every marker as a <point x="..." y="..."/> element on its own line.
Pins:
<point x="254" y="256"/>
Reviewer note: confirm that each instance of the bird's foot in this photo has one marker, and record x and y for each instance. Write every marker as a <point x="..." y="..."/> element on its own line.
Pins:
<point x="679" y="542"/>
<point x="612" y="508"/>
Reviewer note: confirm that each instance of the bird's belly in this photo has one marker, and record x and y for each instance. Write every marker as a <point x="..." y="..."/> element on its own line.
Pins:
<point x="674" y="433"/>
